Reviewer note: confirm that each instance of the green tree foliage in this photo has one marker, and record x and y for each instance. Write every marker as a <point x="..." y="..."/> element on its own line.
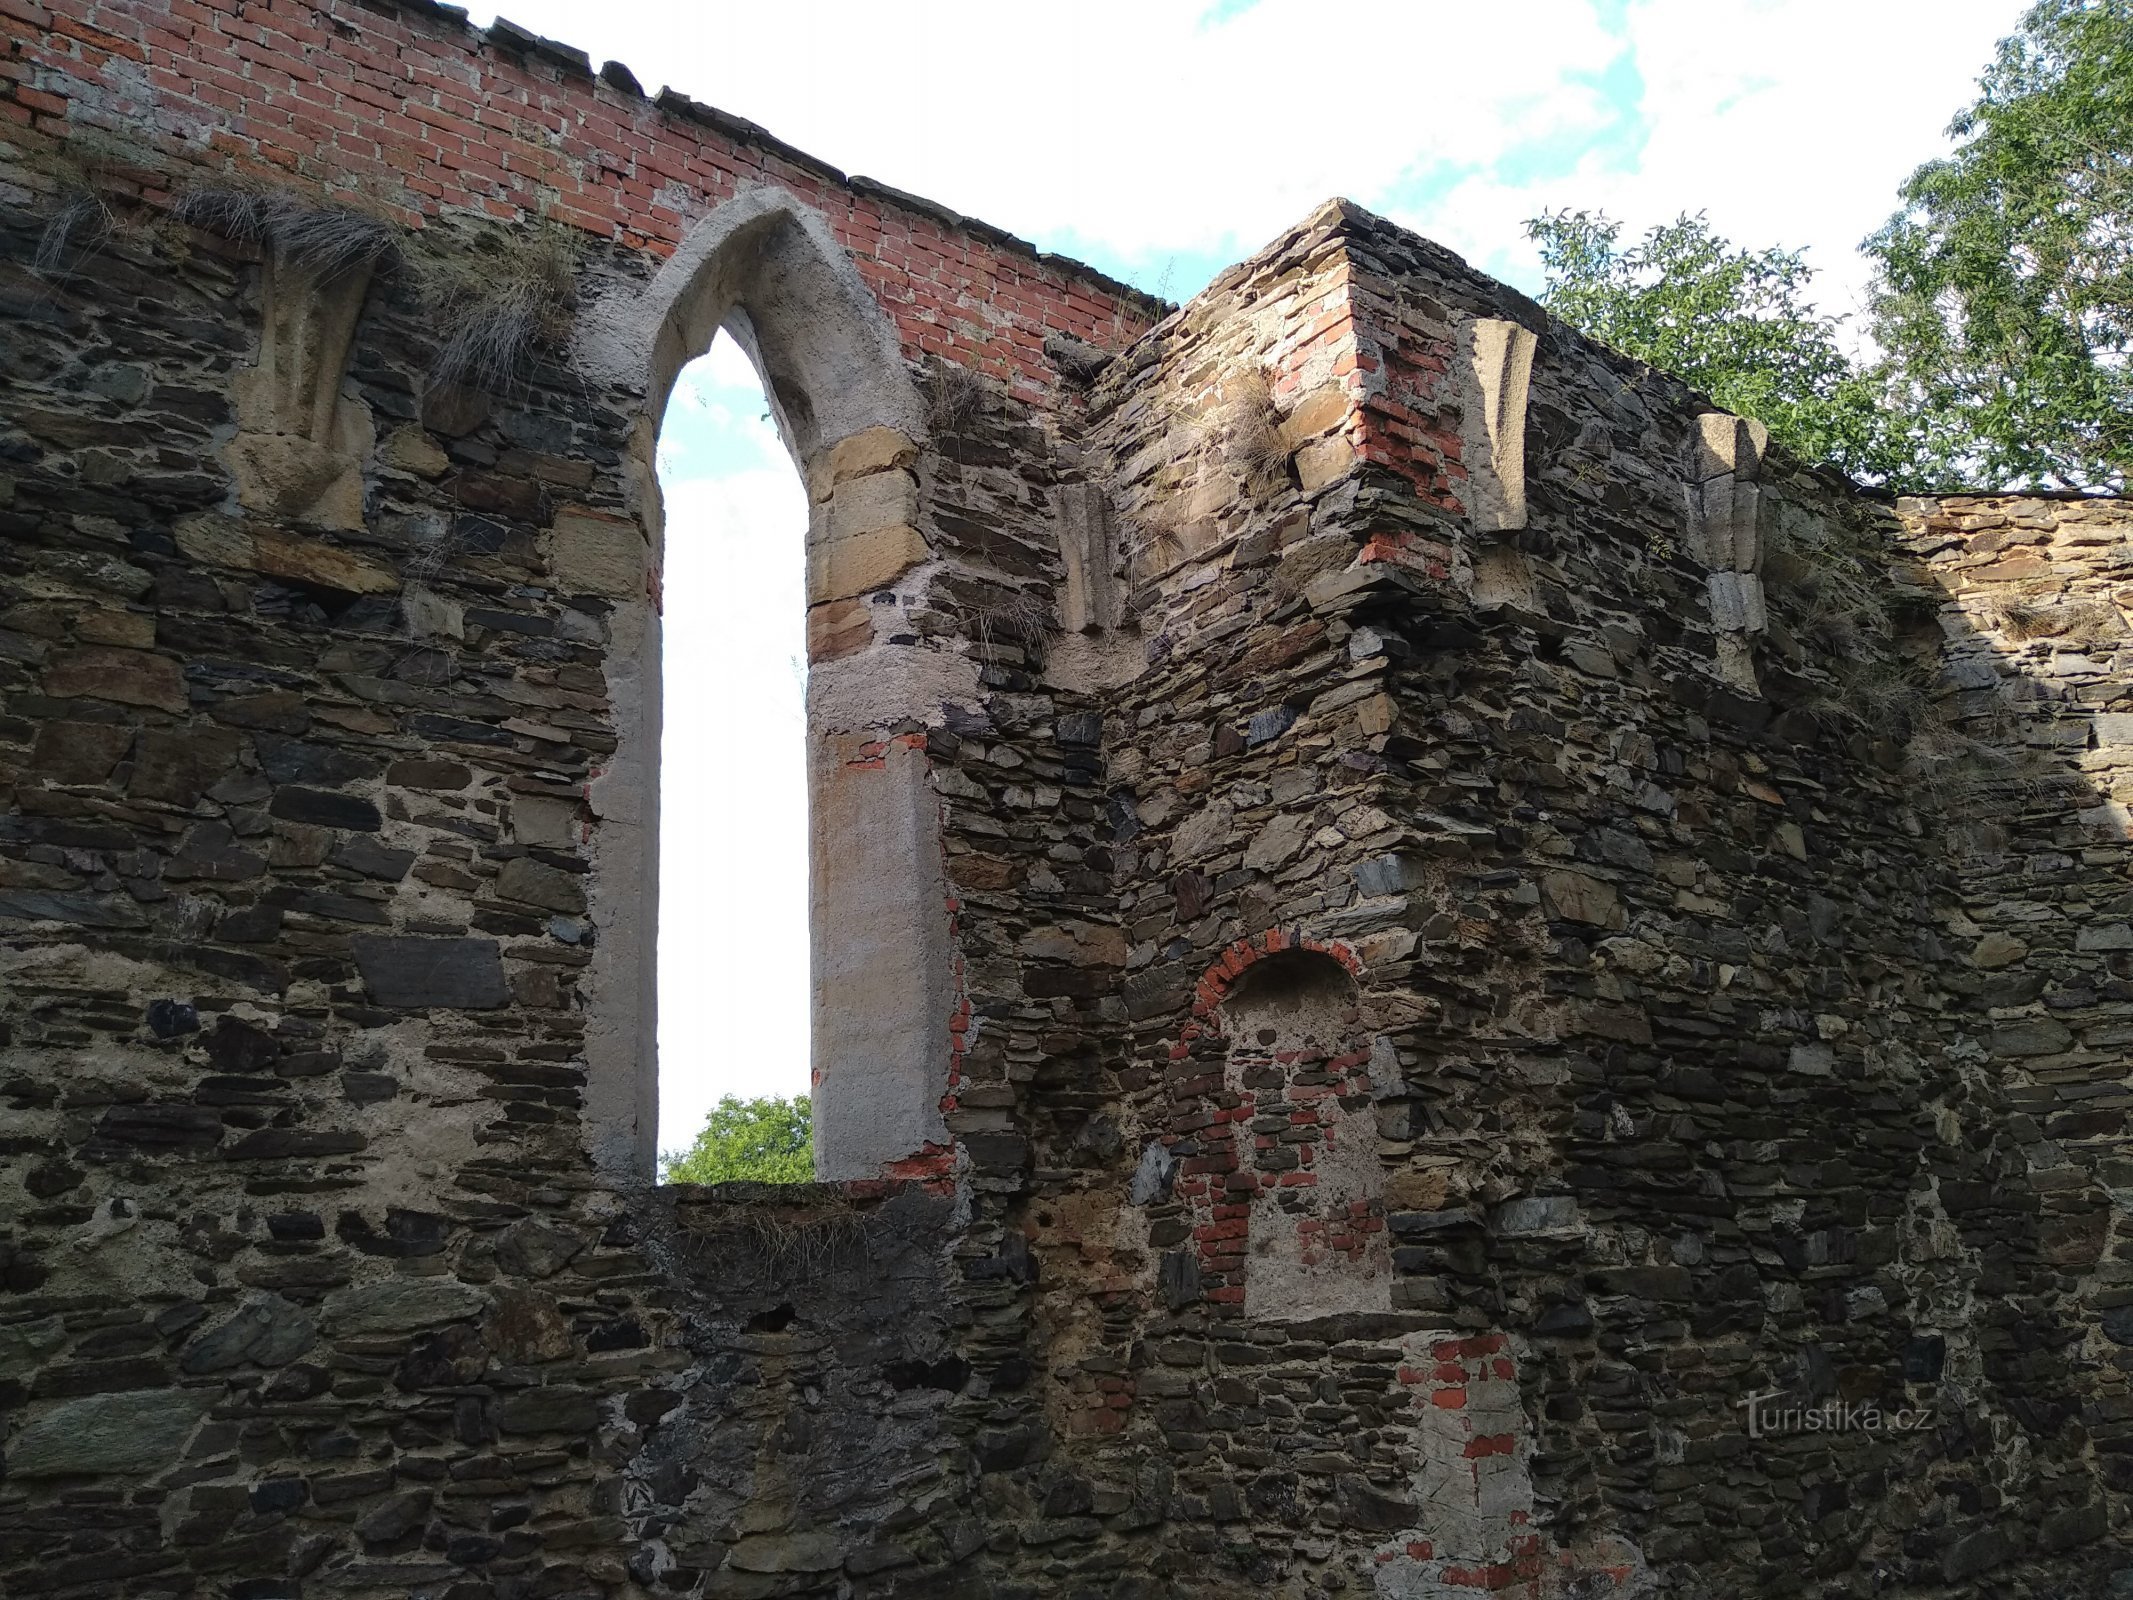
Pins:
<point x="2005" y="289"/>
<point x="1735" y="324"/>
<point x="769" y="1140"/>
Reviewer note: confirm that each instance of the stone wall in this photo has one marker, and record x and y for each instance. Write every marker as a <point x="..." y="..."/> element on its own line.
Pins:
<point x="1415" y="916"/>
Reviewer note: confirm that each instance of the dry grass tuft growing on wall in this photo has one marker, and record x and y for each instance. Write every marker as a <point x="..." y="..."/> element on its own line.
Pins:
<point x="1018" y="618"/>
<point x="503" y="297"/>
<point x="326" y="239"/>
<point x="77" y="228"/>
<point x="1250" y="427"/>
<point x="955" y="398"/>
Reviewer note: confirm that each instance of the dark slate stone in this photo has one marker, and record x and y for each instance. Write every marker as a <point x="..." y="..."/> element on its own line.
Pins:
<point x="251" y="925"/>
<point x="167" y="1019"/>
<point x="628" y="1334"/>
<point x="373" y="860"/>
<point x="279" y="1494"/>
<point x="237" y="1046"/>
<point x="1924" y="1356"/>
<point x="411" y="973"/>
<point x="1362" y="1506"/>
<point x="1179" y="1277"/>
<point x="1191" y="892"/>
<point x="1384" y="875"/>
<point x="999" y="1449"/>
<point x="325" y="810"/>
<point x="1975" y="1553"/>
<point x="82" y="910"/>
<point x="268" y="1331"/>
<point x="513" y="622"/>
<point x="298" y="761"/>
<point x="458" y="730"/>
<point x="407" y="1233"/>
<point x="440" y="775"/>
<point x="533" y="1248"/>
<point x="155" y="1126"/>
<point x="1081" y="728"/>
<point x="283" y="1144"/>
<point x="571" y="1411"/>
<point x="1563" y="1322"/>
<point x="368" y="1088"/>
<point x="1269" y="724"/>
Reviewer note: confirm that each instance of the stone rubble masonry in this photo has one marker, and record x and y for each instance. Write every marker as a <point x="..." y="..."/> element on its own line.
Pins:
<point x="1406" y="914"/>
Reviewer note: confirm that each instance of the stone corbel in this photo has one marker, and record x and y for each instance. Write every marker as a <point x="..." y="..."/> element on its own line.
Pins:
<point x="300" y="446"/>
<point x="1499" y="361"/>
<point x="1724" y="517"/>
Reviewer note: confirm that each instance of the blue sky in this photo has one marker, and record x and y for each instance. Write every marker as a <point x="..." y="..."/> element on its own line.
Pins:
<point x="1161" y="140"/>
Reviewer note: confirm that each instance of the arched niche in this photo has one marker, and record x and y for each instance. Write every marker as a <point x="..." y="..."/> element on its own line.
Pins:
<point x="1297" y="1064"/>
<point x="766" y="268"/>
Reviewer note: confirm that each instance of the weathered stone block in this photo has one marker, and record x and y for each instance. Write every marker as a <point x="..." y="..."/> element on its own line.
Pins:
<point x="214" y="540"/>
<point x="134" y="1433"/>
<point x="875" y="449"/>
<point x="399" y="1305"/>
<point x="1574" y="897"/>
<point x="177" y="768"/>
<point x="588" y="552"/>
<point x="129" y="677"/>
<point x="861" y="563"/>
<point x="466" y="974"/>
<point x="865" y="505"/>
<point x="838" y="628"/>
<point x="538" y="884"/>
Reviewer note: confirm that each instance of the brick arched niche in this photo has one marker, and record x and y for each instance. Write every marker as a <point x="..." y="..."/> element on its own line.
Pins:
<point x="1303" y="1176"/>
<point x="766" y="268"/>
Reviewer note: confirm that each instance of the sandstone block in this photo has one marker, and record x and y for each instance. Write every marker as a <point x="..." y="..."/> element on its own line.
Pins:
<point x="1736" y="602"/>
<point x="523" y="1326"/>
<point x="2113" y="728"/>
<point x="591" y="553"/>
<point x="1319" y="464"/>
<point x="870" y="450"/>
<point x="410" y="449"/>
<point x="214" y="540"/>
<point x="879" y="500"/>
<point x="838" y="628"/>
<point x="841" y="569"/>
<point x="1314" y="414"/>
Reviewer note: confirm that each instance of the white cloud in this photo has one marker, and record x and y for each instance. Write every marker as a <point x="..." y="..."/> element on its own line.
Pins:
<point x="1790" y="124"/>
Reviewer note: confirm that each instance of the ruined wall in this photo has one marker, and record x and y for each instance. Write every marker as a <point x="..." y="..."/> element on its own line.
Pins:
<point x="1483" y="918"/>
